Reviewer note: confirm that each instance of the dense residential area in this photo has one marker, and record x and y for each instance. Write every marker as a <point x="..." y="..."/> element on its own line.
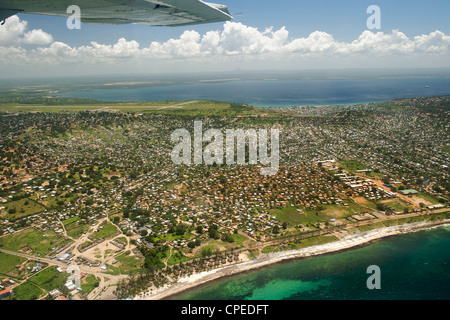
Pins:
<point x="97" y="189"/>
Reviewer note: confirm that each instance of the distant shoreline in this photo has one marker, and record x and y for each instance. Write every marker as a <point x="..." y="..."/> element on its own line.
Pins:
<point x="348" y="242"/>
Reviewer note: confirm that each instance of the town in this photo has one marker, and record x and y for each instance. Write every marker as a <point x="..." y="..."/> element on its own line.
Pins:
<point x="98" y="189"/>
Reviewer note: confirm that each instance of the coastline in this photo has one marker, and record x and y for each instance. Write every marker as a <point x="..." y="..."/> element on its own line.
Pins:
<point x="347" y="242"/>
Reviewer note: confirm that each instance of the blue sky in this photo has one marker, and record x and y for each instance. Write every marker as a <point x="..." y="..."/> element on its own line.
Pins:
<point x="302" y="34"/>
<point x="345" y="19"/>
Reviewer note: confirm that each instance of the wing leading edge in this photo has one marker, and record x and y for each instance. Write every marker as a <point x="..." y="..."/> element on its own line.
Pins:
<point x="149" y="12"/>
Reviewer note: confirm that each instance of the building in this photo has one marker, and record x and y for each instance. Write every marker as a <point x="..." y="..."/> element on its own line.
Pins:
<point x="408" y="192"/>
<point x="436" y="206"/>
<point x="55" y="293"/>
<point x="64" y="257"/>
<point x="5" y="293"/>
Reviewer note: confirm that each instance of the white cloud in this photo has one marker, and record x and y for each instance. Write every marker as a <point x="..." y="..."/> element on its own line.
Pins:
<point x="235" y="43"/>
<point x="12" y="33"/>
<point x="37" y="37"/>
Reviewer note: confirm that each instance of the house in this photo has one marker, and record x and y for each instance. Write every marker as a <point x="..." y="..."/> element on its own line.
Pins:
<point x="436" y="206"/>
<point x="5" y="293"/>
<point x="408" y="192"/>
<point x="55" y="293"/>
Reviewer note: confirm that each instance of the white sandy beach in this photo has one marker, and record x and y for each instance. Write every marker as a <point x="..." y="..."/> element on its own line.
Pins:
<point x="347" y="242"/>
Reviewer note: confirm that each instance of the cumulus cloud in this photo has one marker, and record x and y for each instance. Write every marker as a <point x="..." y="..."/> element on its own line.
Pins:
<point x="235" y="42"/>
<point x="37" y="37"/>
<point x="13" y="33"/>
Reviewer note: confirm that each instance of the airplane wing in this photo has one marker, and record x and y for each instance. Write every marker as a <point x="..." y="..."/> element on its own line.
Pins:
<point x="149" y="12"/>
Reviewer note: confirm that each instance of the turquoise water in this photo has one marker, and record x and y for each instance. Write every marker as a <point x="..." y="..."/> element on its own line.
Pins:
<point x="280" y="93"/>
<point x="413" y="266"/>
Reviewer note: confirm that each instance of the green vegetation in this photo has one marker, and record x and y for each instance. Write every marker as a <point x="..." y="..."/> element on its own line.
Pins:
<point x="126" y="264"/>
<point x="27" y="291"/>
<point x="176" y="258"/>
<point x="396" y="204"/>
<point x="40" y="243"/>
<point x="71" y="220"/>
<point x="313" y="241"/>
<point x="366" y="227"/>
<point x="352" y="165"/>
<point x="238" y="238"/>
<point x="76" y="229"/>
<point x="9" y="262"/>
<point x="89" y="283"/>
<point x="197" y="108"/>
<point x="427" y="197"/>
<point x="299" y="244"/>
<point x="105" y="230"/>
<point x="20" y="208"/>
<point x="294" y="217"/>
<point x="49" y="279"/>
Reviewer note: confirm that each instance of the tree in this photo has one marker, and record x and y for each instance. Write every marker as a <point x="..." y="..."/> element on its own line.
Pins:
<point x="213" y="232"/>
<point x="227" y="238"/>
<point x="199" y="229"/>
<point x="206" y="252"/>
<point x="276" y="229"/>
<point x="143" y="233"/>
<point x="180" y="229"/>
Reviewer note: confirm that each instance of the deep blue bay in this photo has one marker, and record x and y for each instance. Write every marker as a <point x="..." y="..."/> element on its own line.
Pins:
<point x="264" y="93"/>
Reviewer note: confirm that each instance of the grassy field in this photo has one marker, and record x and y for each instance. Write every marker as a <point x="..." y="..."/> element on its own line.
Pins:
<point x="39" y="242"/>
<point x="71" y="220"/>
<point x="105" y="230"/>
<point x="313" y="241"/>
<point x="428" y="198"/>
<point x="21" y="208"/>
<point x="192" y="108"/>
<point x="366" y="228"/>
<point x="352" y="165"/>
<point x="9" y="262"/>
<point x="397" y="204"/>
<point x="127" y="263"/>
<point x="27" y="291"/>
<point x="89" y="283"/>
<point x="291" y="216"/>
<point x="49" y="279"/>
<point x="75" y="229"/>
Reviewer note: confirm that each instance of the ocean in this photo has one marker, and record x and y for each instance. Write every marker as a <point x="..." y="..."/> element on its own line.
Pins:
<point x="413" y="266"/>
<point x="279" y="93"/>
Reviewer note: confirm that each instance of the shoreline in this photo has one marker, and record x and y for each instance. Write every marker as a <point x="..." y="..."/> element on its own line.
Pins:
<point x="347" y="242"/>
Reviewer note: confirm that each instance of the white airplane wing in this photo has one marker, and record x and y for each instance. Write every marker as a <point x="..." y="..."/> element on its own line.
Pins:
<point x="150" y="12"/>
